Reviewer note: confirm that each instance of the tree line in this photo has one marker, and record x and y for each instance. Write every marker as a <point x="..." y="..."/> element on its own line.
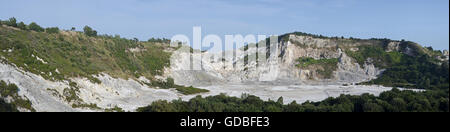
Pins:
<point x="390" y="101"/>
<point x="88" y="31"/>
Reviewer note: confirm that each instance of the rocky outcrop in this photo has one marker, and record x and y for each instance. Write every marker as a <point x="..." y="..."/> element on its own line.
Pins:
<point x="280" y="66"/>
<point x="393" y="46"/>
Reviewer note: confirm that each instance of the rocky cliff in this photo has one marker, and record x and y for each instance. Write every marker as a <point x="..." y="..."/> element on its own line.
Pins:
<point x="282" y="63"/>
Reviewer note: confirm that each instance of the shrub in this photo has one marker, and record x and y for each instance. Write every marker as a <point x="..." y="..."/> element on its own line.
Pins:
<point x="52" y="30"/>
<point x="22" y="26"/>
<point x="325" y="67"/>
<point x="89" y="31"/>
<point x="35" y="27"/>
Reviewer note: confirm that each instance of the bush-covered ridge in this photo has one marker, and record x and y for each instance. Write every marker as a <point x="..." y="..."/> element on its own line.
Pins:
<point x="73" y="54"/>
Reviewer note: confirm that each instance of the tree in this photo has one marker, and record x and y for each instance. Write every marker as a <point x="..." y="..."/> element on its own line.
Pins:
<point x="399" y="104"/>
<point x="443" y="104"/>
<point x="12" y="22"/>
<point x="89" y="31"/>
<point x="22" y="26"/>
<point x="135" y="40"/>
<point x="72" y="29"/>
<point x="170" y="82"/>
<point x="35" y="27"/>
<point x="280" y="100"/>
<point x="427" y="83"/>
<point x="52" y="30"/>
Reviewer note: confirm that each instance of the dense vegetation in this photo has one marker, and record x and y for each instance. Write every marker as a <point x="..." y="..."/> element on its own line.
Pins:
<point x="390" y="101"/>
<point x="285" y="37"/>
<point x="11" y="91"/>
<point x="59" y="55"/>
<point x="7" y="107"/>
<point x="324" y="67"/>
<point x="416" y="72"/>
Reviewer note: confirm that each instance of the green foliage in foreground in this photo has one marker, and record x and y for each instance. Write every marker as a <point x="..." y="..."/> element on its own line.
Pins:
<point x="11" y="91"/>
<point x="89" y="31"/>
<point x="35" y="27"/>
<point x="390" y="101"/>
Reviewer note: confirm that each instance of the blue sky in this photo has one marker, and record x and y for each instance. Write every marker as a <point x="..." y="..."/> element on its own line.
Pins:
<point x="422" y="21"/>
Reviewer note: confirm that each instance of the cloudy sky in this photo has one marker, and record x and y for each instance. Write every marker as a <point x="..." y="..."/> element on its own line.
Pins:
<point x="422" y="21"/>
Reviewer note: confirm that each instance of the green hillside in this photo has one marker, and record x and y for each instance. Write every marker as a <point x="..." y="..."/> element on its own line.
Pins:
<point x="61" y="54"/>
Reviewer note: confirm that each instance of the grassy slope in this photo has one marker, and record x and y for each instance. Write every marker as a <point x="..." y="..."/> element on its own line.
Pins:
<point x="73" y="54"/>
